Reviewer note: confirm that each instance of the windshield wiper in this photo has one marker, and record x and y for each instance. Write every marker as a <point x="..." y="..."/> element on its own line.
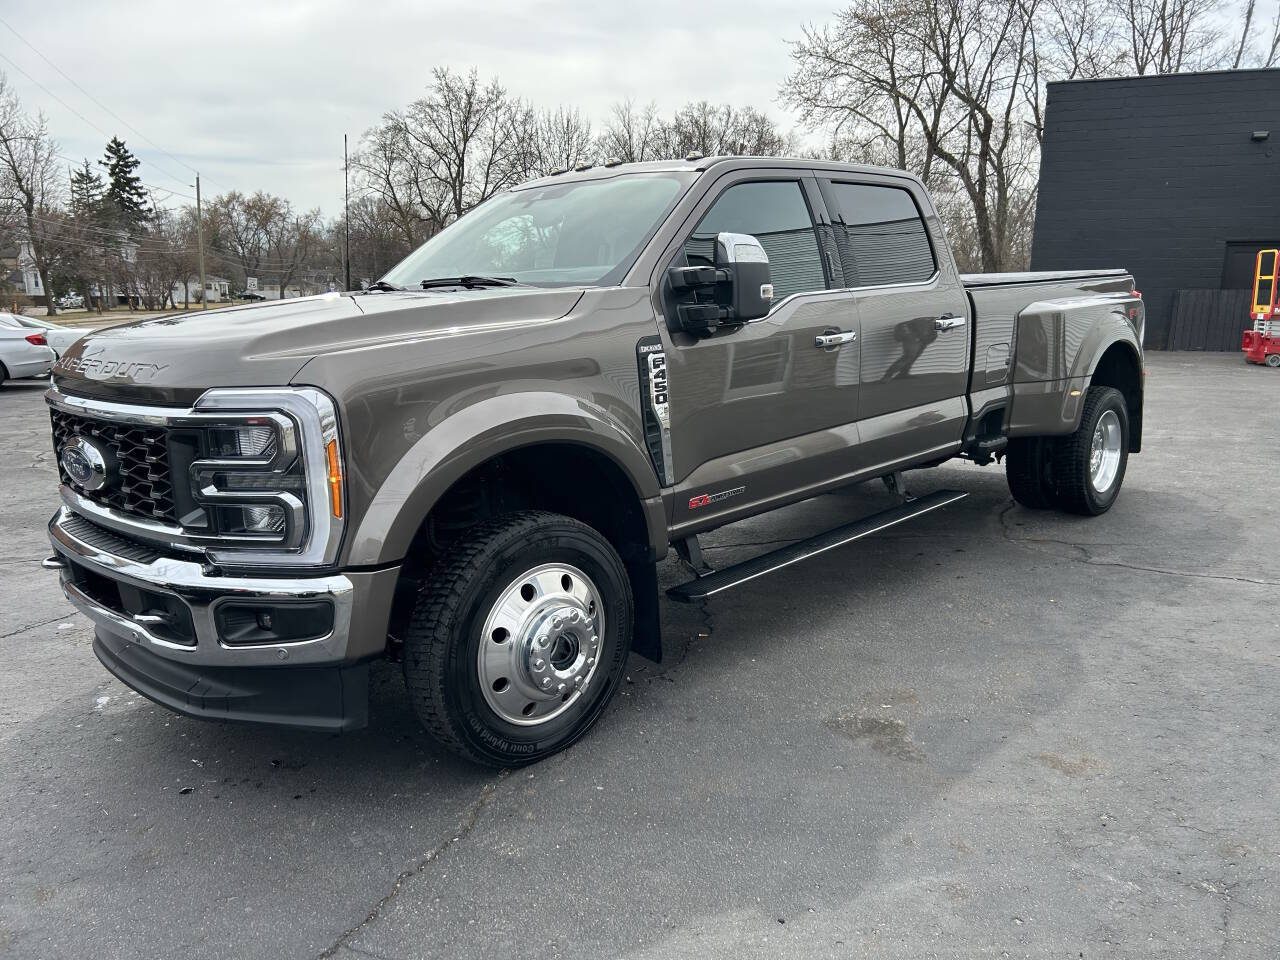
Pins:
<point x="383" y="285"/>
<point x="469" y="282"/>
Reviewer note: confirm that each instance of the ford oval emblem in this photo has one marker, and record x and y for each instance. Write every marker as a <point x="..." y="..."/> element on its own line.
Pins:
<point x="85" y="463"/>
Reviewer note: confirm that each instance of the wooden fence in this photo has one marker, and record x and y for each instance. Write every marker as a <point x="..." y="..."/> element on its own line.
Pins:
<point x="1209" y="319"/>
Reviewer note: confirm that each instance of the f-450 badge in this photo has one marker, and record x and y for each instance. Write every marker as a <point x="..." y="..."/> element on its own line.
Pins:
<point x="657" y="404"/>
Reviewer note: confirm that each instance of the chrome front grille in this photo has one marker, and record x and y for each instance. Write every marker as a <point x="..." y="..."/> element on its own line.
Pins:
<point x="144" y="488"/>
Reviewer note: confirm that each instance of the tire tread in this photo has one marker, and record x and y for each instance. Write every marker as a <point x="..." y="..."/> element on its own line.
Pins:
<point x="428" y="639"/>
<point x="1071" y="462"/>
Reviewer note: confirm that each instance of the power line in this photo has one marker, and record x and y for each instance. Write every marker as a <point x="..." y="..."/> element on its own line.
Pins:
<point x="78" y="113"/>
<point x="95" y="100"/>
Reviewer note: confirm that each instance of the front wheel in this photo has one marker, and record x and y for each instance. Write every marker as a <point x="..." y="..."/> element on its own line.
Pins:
<point x="1090" y="463"/>
<point x="519" y="638"/>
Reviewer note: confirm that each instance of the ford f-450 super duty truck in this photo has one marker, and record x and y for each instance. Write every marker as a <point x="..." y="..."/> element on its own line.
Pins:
<point x="474" y="466"/>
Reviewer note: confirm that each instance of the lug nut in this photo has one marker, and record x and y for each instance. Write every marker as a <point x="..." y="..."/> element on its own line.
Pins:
<point x="591" y="661"/>
<point x="546" y="682"/>
<point x="539" y="664"/>
<point x="575" y="617"/>
<point x="561" y="688"/>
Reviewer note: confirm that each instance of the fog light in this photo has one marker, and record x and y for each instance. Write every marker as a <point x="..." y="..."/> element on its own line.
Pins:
<point x="243" y="622"/>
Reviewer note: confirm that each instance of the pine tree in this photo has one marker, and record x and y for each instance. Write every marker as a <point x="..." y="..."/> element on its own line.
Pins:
<point x="124" y="191"/>
<point x="86" y="192"/>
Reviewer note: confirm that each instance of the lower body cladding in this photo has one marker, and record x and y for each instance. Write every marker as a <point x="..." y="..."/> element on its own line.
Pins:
<point x="289" y="652"/>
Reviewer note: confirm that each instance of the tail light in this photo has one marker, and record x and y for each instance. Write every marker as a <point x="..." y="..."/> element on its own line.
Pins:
<point x="1136" y="294"/>
<point x="37" y="340"/>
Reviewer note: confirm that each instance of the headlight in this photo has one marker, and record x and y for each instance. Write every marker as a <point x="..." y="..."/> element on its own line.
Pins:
<point x="266" y="476"/>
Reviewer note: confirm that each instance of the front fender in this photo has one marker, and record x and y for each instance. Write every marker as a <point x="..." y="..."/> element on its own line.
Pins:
<point x="476" y="434"/>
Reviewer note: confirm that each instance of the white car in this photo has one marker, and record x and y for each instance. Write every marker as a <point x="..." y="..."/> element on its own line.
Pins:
<point x="59" y="337"/>
<point x="23" y="351"/>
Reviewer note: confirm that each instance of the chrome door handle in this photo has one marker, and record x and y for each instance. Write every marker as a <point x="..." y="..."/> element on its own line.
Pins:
<point x="948" y="322"/>
<point x="835" y="339"/>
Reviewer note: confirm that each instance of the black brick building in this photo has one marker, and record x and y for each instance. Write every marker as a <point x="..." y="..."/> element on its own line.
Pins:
<point x="1175" y="178"/>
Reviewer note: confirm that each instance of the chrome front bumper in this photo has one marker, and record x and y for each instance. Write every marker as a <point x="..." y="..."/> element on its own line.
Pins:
<point x="201" y="593"/>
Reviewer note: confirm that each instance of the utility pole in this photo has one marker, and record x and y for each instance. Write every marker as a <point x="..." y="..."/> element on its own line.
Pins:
<point x="346" y="211"/>
<point x="204" y="291"/>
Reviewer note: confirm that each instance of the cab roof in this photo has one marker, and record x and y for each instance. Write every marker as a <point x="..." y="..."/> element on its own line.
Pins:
<point x="603" y="171"/>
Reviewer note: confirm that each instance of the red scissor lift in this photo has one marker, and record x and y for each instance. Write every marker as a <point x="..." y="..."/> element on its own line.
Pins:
<point x="1262" y="343"/>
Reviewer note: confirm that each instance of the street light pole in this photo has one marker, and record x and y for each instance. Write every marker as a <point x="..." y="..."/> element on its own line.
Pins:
<point x="346" y="212"/>
<point x="204" y="290"/>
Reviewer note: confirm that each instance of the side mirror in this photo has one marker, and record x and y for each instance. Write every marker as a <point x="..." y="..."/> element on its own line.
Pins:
<point x="746" y="267"/>
<point x="735" y="290"/>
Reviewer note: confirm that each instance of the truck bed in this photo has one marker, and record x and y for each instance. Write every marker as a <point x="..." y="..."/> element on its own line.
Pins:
<point x="985" y="280"/>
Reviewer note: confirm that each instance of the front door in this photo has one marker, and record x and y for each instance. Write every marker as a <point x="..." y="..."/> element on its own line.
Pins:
<point x="761" y="409"/>
<point x="914" y="313"/>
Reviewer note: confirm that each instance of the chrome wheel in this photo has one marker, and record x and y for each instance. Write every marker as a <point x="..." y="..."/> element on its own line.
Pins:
<point x="1104" y="454"/>
<point x="540" y="648"/>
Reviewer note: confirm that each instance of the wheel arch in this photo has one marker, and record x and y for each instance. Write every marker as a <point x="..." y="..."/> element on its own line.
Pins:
<point x="554" y="457"/>
<point x="1119" y="366"/>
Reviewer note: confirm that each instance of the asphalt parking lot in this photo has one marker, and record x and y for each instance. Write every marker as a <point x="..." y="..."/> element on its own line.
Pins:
<point x="991" y="733"/>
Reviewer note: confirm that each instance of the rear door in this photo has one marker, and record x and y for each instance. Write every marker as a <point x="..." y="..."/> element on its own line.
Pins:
<point x="914" y="315"/>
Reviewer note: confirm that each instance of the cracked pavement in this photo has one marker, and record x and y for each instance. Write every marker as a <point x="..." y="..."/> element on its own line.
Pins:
<point x="991" y="732"/>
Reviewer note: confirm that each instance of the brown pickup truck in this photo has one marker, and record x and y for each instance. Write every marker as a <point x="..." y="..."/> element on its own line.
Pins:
<point x="473" y="466"/>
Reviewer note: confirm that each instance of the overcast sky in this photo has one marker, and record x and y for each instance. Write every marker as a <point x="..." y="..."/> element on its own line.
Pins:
<point x="258" y="95"/>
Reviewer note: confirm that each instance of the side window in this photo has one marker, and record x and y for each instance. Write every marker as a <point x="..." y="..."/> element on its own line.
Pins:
<point x="880" y="236"/>
<point x="774" y="212"/>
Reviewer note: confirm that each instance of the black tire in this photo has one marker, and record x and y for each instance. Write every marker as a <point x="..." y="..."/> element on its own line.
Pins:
<point x="1028" y="467"/>
<point x="4" y="375"/>
<point x="442" y="642"/>
<point x="1076" y="490"/>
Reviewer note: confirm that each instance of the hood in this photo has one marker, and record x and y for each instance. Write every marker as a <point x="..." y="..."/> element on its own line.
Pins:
<point x="172" y="360"/>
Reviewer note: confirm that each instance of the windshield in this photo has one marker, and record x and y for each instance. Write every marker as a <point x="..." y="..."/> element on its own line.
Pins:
<point x="563" y="234"/>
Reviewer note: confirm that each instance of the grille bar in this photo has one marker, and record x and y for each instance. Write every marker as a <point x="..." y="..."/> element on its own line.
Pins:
<point x="143" y="487"/>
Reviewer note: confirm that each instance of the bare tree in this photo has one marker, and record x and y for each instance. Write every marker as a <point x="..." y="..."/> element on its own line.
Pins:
<point x="1079" y="40"/>
<point x="719" y="129"/>
<point x="1168" y="36"/>
<point x="239" y="232"/>
<point x="388" y="172"/>
<point x="30" y="182"/>
<point x="447" y="152"/>
<point x="560" y="140"/>
<point x="938" y="83"/>
<point x="1269" y="55"/>
<point x="632" y="135"/>
<point x="293" y="241"/>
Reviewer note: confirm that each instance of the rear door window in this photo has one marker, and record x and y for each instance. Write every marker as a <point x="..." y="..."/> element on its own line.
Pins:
<point x="775" y="213"/>
<point x="880" y="235"/>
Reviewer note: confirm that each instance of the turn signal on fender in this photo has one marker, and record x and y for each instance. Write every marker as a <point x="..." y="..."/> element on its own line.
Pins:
<point x="335" y="478"/>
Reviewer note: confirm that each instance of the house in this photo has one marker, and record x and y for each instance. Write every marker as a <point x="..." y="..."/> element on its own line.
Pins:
<point x="1173" y="177"/>
<point x="217" y="290"/>
<point x="25" y="278"/>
